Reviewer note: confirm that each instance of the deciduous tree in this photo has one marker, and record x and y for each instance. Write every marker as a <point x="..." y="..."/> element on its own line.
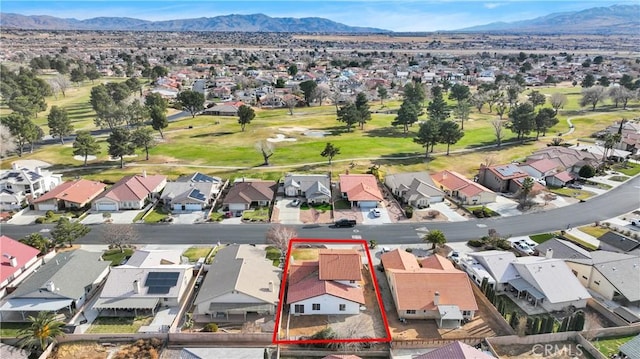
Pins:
<point x="592" y="95"/>
<point x="558" y="100"/>
<point x="8" y="141"/>
<point x="536" y="98"/>
<point x="119" y="235"/>
<point x="462" y="111"/>
<point x="191" y="101"/>
<point x="279" y="236"/>
<point x="621" y="94"/>
<point x="330" y="151"/>
<point x="498" y="128"/>
<point x="266" y="149"/>
<point x="245" y="115"/>
<point x="143" y="139"/>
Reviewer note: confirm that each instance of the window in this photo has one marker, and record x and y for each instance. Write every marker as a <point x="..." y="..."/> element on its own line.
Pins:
<point x="352" y="281"/>
<point x="299" y="308"/>
<point x="575" y="272"/>
<point x="584" y="277"/>
<point x="315" y="306"/>
<point x="466" y="313"/>
<point x="342" y="307"/>
<point x="597" y="282"/>
<point x="411" y="311"/>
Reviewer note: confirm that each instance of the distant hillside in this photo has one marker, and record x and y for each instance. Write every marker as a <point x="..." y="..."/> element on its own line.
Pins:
<point x="248" y="23"/>
<point x="616" y="19"/>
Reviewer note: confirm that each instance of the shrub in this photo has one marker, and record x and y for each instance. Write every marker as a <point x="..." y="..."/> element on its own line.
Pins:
<point x="504" y="244"/>
<point x="476" y="243"/>
<point x="409" y="212"/>
<point x="587" y="171"/>
<point x="409" y="250"/>
<point x="211" y="328"/>
<point x="49" y="214"/>
<point x="40" y="220"/>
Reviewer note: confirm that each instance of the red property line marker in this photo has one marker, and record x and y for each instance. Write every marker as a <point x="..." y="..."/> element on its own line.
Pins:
<point x="283" y="288"/>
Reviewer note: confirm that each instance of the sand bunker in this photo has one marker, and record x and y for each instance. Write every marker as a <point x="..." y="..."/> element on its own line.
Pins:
<point x="316" y="133"/>
<point x="118" y="158"/>
<point x="281" y="138"/>
<point x="292" y="129"/>
<point x="81" y="158"/>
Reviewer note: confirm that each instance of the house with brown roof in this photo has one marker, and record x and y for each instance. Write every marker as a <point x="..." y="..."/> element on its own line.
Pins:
<point x="539" y="169"/>
<point x="130" y="192"/>
<point x="462" y="189"/>
<point x="330" y="285"/>
<point x="361" y="190"/>
<point x="244" y="195"/>
<point x="565" y="159"/>
<point x="455" y="350"/>
<point x="499" y="178"/>
<point x="70" y="194"/>
<point x="429" y="289"/>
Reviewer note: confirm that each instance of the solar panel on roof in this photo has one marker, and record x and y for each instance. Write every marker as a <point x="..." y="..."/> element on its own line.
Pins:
<point x="158" y="290"/>
<point x="161" y="282"/>
<point x="199" y="177"/>
<point x="196" y="194"/>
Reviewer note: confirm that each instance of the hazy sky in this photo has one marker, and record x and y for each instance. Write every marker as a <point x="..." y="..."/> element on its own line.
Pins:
<point x="395" y="15"/>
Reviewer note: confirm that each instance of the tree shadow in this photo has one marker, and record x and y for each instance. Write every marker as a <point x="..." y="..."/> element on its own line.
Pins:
<point x="389" y="132"/>
<point x="212" y="134"/>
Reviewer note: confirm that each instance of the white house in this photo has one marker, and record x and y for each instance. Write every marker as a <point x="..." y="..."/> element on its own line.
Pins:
<point x="314" y="188"/>
<point x="330" y="285"/>
<point x="415" y="188"/>
<point x="20" y="184"/>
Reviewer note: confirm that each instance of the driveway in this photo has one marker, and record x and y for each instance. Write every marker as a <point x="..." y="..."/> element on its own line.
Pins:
<point x="505" y="207"/>
<point x="121" y="217"/>
<point x="188" y="217"/>
<point x="451" y="214"/>
<point x="369" y="218"/>
<point x="25" y="217"/>
<point x="288" y="214"/>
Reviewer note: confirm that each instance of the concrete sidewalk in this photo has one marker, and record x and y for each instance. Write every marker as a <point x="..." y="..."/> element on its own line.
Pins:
<point x="584" y="237"/>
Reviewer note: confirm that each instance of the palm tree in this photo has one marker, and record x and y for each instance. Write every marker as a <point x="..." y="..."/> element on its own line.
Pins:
<point x="43" y="331"/>
<point x="435" y="237"/>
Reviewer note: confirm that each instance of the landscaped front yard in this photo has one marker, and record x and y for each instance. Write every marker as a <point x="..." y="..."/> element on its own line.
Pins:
<point x="115" y="256"/>
<point x="195" y="253"/>
<point x="610" y="346"/>
<point x="256" y="215"/>
<point x="572" y="192"/>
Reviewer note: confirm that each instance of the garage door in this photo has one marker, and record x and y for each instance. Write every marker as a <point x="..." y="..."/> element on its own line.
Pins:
<point x="368" y="204"/>
<point x="106" y="207"/>
<point x="47" y="207"/>
<point x="192" y="207"/>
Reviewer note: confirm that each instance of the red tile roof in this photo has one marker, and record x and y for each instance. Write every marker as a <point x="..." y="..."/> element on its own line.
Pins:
<point x="437" y="262"/>
<point x="340" y="264"/>
<point x="12" y="248"/>
<point x="80" y="191"/>
<point x="416" y="290"/>
<point x="544" y="165"/>
<point x="399" y="259"/>
<point x="450" y="180"/>
<point x="312" y="286"/>
<point x="360" y="187"/>
<point x="455" y="350"/>
<point x="136" y="187"/>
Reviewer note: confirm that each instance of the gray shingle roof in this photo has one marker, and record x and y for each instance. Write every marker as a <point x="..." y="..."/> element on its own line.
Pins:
<point x="70" y="273"/>
<point x="563" y="249"/>
<point x="619" y="242"/>
<point x="631" y="348"/>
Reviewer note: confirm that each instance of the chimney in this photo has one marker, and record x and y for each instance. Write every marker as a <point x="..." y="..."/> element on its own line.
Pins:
<point x="14" y="165"/>
<point x="50" y="286"/>
<point x="436" y="298"/>
<point x="39" y="170"/>
<point x="136" y="287"/>
<point x="549" y="253"/>
<point x="270" y="286"/>
<point x="14" y="261"/>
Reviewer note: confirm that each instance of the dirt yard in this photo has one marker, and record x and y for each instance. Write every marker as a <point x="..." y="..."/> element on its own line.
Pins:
<point x="82" y="350"/>
<point x="556" y="350"/>
<point x="312" y="215"/>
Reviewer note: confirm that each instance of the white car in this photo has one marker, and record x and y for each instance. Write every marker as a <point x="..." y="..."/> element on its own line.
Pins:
<point x="523" y="247"/>
<point x="375" y="212"/>
<point x="295" y="203"/>
<point x="530" y="243"/>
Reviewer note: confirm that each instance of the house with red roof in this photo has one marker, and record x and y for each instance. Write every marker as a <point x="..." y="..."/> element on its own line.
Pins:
<point x="455" y="350"/>
<point x="430" y="288"/>
<point x="462" y="189"/>
<point x="71" y="194"/>
<point x="540" y="169"/>
<point x="131" y="192"/>
<point x="330" y="285"/>
<point x="17" y="261"/>
<point x="361" y="190"/>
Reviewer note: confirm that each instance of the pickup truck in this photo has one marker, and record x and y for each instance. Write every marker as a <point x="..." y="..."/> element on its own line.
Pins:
<point x="345" y="222"/>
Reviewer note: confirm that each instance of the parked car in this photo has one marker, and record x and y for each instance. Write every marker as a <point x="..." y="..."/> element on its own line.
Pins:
<point x="529" y="242"/>
<point x="375" y="212"/>
<point x="345" y="222"/>
<point x="574" y="185"/>
<point x="454" y="256"/>
<point x="295" y="203"/>
<point x="635" y="222"/>
<point x="523" y="247"/>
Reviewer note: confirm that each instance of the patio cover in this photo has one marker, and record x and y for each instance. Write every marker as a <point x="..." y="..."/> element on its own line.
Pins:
<point x="239" y="307"/>
<point x="535" y="293"/>
<point x="35" y="305"/>
<point x="449" y="312"/>
<point x="520" y="284"/>
<point x="126" y="303"/>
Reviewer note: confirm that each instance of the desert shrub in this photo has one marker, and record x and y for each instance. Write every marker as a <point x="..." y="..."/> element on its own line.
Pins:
<point x="49" y="214"/>
<point x="409" y="250"/>
<point x="476" y="243"/>
<point x="409" y="212"/>
<point x="40" y="220"/>
<point x="211" y="327"/>
<point x="504" y="244"/>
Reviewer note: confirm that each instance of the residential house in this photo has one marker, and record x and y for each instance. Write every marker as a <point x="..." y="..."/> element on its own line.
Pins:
<point x="500" y="178"/>
<point x="414" y="188"/>
<point x="361" y="190"/>
<point x="560" y="179"/>
<point x="130" y="192"/>
<point x="630" y="135"/>
<point x="314" y="188"/>
<point x="540" y="169"/>
<point x="615" y="242"/>
<point x="615" y="276"/>
<point x="549" y="283"/>
<point x="244" y="195"/>
<point x="240" y="282"/>
<point x="462" y="189"/>
<point x="566" y="159"/>
<point x="630" y="349"/>
<point x="433" y="289"/>
<point x="330" y="285"/>
<point x="18" y="260"/>
<point x="63" y="283"/>
<point x="455" y="350"/>
<point x="598" y="151"/>
<point x="562" y="249"/>
<point x="149" y="279"/>
<point x="69" y="195"/>
<point x="498" y="265"/>
<point x="191" y="193"/>
<point x="20" y="185"/>
<point x="223" y="109"/>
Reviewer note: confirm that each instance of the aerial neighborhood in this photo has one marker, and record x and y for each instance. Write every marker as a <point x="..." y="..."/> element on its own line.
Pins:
<point x="235" y="192"/>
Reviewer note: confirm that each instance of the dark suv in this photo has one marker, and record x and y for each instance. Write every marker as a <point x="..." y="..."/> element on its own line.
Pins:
<point x="345" y="222"/>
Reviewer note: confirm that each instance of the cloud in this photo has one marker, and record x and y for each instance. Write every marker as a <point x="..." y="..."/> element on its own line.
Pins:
<point x="492" y="5"/>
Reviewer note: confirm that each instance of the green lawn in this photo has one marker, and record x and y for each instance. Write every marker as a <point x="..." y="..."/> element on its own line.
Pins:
<point x="115" y="256"/>
<point x="254" y="215"/>
<point x="542" y="237"/>
<point x="609" y="346"/>
<point x="217" y="216"/>
<point x="322" y="207"/>
<point x="10" y="330"/>
<point x="595" y="231"/>
<point x="156" y="215"/>
<point x="618" y="178"/>
<point x="118" y="325"/>
<point x="195" y="253"/>
<point x="572" y="192"/>
<point x="579" y="241"/>
<point x="630" y="169"/>
<point x="341" y="204"/>
<point x="305" y="253"/>
<point x="274" y="254"/>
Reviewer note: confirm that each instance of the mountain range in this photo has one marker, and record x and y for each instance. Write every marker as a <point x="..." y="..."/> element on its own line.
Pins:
<point x="615" y="19"/>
